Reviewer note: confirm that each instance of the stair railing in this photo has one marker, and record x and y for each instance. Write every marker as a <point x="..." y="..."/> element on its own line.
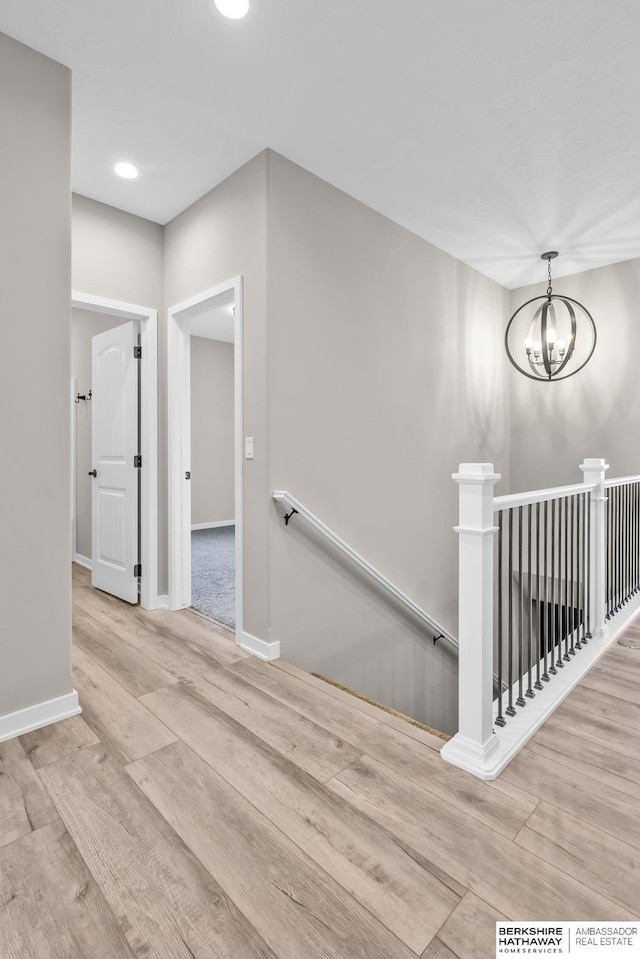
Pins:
<point x="547" y="580"/>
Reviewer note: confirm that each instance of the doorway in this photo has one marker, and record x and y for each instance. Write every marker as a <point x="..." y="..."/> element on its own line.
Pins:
<point x="111" y="314"/>
<point x="205" y="542"/>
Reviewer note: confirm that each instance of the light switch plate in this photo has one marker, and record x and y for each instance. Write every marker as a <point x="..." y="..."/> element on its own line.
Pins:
<point x="248" y="447"/>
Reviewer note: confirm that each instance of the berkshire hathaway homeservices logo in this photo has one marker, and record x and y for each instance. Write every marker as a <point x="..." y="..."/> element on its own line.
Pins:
<point x="575" y="939"/>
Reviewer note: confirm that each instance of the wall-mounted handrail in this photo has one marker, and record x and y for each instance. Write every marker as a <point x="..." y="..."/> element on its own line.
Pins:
<point x="439" y="631"/>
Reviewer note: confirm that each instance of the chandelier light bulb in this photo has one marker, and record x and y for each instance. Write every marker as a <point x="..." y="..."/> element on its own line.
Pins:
<point x="528" y="343"/>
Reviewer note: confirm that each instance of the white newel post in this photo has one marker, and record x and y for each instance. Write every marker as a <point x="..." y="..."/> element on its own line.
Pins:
<point x="475" y="743"/>
<point x="594" y="471"/>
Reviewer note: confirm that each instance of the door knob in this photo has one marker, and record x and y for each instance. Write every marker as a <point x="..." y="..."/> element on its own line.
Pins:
<point x="93" y="472"/>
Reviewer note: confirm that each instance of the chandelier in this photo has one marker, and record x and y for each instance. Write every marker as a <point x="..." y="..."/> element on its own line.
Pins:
<point x="553" y="340"/>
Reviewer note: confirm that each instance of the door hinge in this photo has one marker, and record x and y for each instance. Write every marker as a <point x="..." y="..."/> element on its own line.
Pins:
<point x="137" y="569"/>
<point x="137" y="462"/>
<point x="137" y="352"/>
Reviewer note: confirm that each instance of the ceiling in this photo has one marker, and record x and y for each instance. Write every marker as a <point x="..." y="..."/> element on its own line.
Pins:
<point x="212" y="319"/>
<point x="495" y="130"/>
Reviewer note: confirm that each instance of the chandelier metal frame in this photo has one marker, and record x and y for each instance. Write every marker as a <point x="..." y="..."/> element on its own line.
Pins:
<point x="549" y="356"/>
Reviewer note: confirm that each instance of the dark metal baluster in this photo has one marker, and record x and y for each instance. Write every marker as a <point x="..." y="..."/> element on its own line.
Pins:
<point x="623" y="545"/>
<point x="632" y="539"/>
<point x="614" y="550"/>
<point x="635" y="538"/>
<point x="610" y="547"/>
<point x="545" y="617"/>
<point x="579" y="571"/>
<point x="607" y="552"/>
<point x="520" y="701"/>
<point x="627" y="539"/>
<point x="629" y="543"/>
<point x="529" y="693"/>
<point x="510" y="710"/>
<point x="636" y="548"/>
<point x="587" y="567"/>
<point x="577" y="581"/>
<point x="538" y="683"/>
<point x="566" y="578"/>
<point x="616" y="493"/>
<point x="562" y="503"/>
<point x="500" y="720"/>
<point x="552" y="603"/>
<point x="572" y="615"/>
<point x="620" y="548"/>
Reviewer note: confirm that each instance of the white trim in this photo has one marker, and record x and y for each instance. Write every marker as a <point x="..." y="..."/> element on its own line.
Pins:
<point x="282" y="496"/>
<point x="35" y="717"/>
<point x="513" y="500"/>
<point x="82" y="560"/>
<point x="179" y="444"/>
<point x="621" y="481"/>
<point x="149" y="429"/>
<point x="163" y="602"/>
<point x="258" y="647"/>
<point x="528" y="720"/>
<point x="224" y="522"/>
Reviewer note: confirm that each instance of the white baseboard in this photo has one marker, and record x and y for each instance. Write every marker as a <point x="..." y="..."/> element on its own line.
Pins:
<point x="259" y="647"/>
<point x="35" y="717"/>
<point x="82" y="560"/>
<point x="224" y="522"/>
<point x="163" y="602"/>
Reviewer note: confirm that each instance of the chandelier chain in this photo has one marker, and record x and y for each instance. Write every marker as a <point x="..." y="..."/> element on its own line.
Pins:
<point x="549" y="272"/>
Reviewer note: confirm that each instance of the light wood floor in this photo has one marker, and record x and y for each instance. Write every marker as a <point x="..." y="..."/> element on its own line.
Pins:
<point x="207" y="805"/>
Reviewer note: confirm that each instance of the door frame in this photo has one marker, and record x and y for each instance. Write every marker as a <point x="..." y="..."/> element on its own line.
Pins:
<point x="149" y="434"/>
<point x="179" y="440"/>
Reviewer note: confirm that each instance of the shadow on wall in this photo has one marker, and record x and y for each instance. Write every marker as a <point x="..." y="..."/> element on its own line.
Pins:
<point x="483" y="386"/>
<point x="466" y="329"/>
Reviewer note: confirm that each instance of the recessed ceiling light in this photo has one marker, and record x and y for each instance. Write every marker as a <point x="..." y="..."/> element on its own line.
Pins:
<point x="128" y="171"/>
<point x="234" y="9"/>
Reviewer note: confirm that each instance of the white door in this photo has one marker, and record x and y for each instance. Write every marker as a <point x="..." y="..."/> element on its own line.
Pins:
<point x="114" y="426"/>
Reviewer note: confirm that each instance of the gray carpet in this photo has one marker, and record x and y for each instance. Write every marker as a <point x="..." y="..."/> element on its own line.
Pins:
<point x="213" y="573"/>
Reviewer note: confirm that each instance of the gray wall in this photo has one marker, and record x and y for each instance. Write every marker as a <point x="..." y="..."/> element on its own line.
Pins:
<point x="595" y="413"/>
<point x="221" y="236"/>
<point x="35" y="120"/>
<point x="385" y="372"/>
<point x="85" y="324"/>
<point x="116" y="254"/>
<point x="212" y="431"/>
